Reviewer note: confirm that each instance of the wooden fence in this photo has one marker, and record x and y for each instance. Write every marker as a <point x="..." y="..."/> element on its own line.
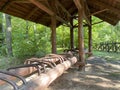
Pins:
<point x="108" y="46"/>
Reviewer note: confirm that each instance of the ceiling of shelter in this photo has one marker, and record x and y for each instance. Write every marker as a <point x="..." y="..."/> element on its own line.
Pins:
<point x="40" y="11"/>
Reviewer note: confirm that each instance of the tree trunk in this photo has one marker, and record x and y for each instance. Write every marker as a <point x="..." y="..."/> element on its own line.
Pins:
<point x="8" y="35"/>
<point x="1" y="30"/>
<point x="34" y="29"/>
<point x="27" y="30"/>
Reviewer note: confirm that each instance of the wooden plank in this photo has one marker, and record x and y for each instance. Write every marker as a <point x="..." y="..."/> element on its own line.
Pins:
<point x="42" y="7"/>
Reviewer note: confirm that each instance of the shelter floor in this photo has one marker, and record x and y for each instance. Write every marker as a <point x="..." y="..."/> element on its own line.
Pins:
<point x="99" y="75"/>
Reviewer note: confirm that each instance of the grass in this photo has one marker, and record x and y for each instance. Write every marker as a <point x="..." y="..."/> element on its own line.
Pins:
<point x="107" y="55"/>
<point x="6" y="62"/>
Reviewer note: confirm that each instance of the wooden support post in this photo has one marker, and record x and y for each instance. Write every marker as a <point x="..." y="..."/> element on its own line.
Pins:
<point x="53" y="34"/>
<point x="80" y="32"/>
<point x="90" y="38"/>
<point x="80" y="36"/>
<point x="71" y="34"/>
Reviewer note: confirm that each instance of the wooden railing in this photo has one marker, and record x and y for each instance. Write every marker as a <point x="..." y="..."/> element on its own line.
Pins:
<point x="108" y="46"/>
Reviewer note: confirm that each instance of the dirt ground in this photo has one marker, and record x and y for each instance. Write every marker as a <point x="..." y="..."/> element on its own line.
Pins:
<point x="99" y="75"/>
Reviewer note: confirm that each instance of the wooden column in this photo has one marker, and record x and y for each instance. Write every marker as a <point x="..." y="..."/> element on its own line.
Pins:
<point x="53" y="33"/>
<point x="80" y="36"/>
<point x="90" y="38"/>
<point x="71" y="34"/>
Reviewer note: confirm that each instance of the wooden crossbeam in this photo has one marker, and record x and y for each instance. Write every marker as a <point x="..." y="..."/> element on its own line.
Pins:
<point x="98" y="22"/>
<point x="63" y="8"/>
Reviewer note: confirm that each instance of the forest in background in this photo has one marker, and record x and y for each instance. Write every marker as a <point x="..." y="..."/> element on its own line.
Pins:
<point x="30" y="39"/>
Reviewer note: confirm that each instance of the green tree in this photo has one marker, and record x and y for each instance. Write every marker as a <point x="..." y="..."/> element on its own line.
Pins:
<point x="8" y="35"/>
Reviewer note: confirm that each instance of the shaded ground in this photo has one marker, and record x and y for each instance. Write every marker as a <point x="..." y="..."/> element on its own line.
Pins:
<point x="99" y="75"/>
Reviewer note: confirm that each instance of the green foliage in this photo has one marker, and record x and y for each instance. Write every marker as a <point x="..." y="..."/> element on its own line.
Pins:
<point x="63" y="35"/>
<point x="38" y="42"/>
<point x="6" y="62"/>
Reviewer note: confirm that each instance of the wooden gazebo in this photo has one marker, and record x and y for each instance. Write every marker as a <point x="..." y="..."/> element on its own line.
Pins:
<point x="53" y="13"/>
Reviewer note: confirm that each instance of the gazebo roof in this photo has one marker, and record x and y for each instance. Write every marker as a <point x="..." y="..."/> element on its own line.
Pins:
<point x="39" y="11"/>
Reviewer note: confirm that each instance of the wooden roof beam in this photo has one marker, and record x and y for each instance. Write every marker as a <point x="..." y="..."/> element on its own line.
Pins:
<point x="5" y="6"/>
<point x="115" y="10"/>
<point x="98" y="12"/>
<point x="95" y="13"/>
<point x="80" y="6"/>
<point x="107" y="19"/>
<point x="42" y="7"/>
<point x="19" y="1"/>
<point x="47" y="10"/>
<point x="32" y="12"/>
<point x="63" y="8"/>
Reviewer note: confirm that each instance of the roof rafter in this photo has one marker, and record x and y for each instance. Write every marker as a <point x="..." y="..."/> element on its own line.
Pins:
<point x="42" y="7"/>
<point x="105" y="15"/>
<point x="19" y="1"/>
<point x="32" y="12"/>
<point x="5" y="6"/>
<point x="115" y="10"/>
<point x="98" y="12"/>
<point x="63" y="8"/>
<point x="107" y="19"/>
<point x="47" y="10"/>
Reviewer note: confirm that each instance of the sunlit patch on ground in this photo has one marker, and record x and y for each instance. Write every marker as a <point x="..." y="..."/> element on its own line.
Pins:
<point x="99" y="75"/>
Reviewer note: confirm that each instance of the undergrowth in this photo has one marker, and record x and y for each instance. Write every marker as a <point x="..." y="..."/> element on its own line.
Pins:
<point x="110" y="56"/>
